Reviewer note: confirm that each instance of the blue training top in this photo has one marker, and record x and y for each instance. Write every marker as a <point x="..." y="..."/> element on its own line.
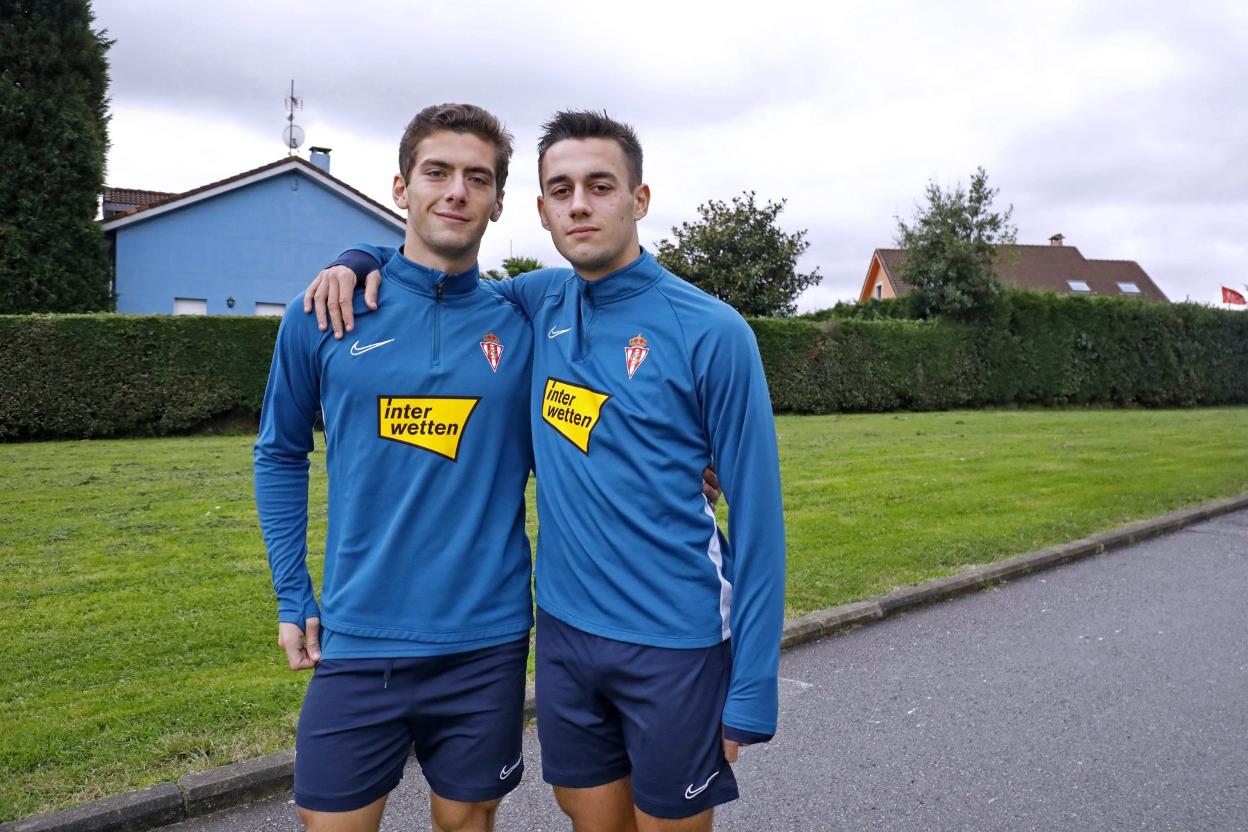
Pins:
<point x="428" y="451"/>
<point x="641" y="379"/>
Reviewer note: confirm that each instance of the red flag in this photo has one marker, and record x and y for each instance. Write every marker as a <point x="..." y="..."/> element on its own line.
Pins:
<point x="1231" y="296"/>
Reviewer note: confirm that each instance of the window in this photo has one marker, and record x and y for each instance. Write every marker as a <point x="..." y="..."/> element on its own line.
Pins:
<point x="1080" y="286"/>
<point x="190" y="306"/>
<point x="879" y="291"/>
<point x="1128" y="288"/>
<point x="274" y="309"/>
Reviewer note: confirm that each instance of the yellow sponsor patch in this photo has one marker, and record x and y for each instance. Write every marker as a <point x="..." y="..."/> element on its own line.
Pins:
<point x="572" y="410"/>
<point x="435" y="424"/>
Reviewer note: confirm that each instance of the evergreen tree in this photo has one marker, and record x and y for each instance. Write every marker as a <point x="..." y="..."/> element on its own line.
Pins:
<point x="53" y="139"/>
<point x="740" y="255"/>
<point x="950" y="245"/>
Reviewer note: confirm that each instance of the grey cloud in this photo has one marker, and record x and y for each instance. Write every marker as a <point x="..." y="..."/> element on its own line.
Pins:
<point x="1166" y="163"/>
<point x="373" y="71"/>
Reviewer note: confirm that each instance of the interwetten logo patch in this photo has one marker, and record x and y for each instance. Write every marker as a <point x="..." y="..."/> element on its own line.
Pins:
<point x="572" y="410"/>
<point x="434" y="424"/>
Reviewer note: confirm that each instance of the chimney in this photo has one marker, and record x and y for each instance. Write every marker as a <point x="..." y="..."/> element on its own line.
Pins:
<point x="1055" y="240"/>
<point x="319" y="156"/>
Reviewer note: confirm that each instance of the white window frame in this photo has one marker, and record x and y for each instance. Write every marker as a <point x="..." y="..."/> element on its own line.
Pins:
<point x="272" y="310"/>
<point x="1079" y="287"/>
<point x="180" y="306"/>
<point x="1129" y="288"/>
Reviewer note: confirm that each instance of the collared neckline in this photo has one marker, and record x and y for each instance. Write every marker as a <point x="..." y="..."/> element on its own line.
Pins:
<point x="638" y="275"/>
<point x="422" y="279"/>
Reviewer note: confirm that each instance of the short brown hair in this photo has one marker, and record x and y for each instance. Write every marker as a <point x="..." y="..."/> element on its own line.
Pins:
<point x="458" y="118"/>
<point x="588" y="124"/>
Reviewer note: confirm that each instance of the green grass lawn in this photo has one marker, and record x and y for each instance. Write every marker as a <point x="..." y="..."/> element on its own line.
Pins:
<point x="137" y="619"/>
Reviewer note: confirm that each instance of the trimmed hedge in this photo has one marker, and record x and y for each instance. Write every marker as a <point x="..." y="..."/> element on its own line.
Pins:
<point x="1055" y="350"/>
<point x="868" y="365"/>
<point x="1041" y="349"/>
<point x="114" y="375"/>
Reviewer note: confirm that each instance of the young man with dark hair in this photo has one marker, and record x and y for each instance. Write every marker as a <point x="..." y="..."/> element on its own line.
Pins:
<point x="422" y="635"/>
<point x="658" y="643"/>
<point x="581" y="125"/>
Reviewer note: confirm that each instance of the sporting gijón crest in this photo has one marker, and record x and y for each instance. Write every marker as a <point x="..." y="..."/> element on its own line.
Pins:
<point x="635" y="353"/>
<point x="493" y="349"/>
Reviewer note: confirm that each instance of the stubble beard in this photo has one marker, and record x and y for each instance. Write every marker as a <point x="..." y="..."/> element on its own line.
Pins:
<point x="452" y="250"/>
<point x="592" y="261"/>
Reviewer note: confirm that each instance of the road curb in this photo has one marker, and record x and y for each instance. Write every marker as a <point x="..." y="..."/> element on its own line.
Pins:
<point x="129" y="812"/>
<point x="822" y="623"/>
<point x="231" y="785"/>
<point x="205" y="792"/>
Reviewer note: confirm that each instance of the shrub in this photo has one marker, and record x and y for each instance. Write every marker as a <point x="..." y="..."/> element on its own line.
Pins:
<point x="109" y="375"/>
<point x="118" y="375"/>
<point x="868" y="366"/>
<point x="1035" y="349"/>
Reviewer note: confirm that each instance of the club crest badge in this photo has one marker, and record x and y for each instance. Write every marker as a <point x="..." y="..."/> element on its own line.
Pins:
<point x="635" y="353"/>
<point x="493" y="349"/>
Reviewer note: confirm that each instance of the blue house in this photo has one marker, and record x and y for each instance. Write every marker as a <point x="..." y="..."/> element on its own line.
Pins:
<point x="242" y="246"/>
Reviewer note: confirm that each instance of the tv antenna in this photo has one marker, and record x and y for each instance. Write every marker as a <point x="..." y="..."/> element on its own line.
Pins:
<point x="292" y="135"/>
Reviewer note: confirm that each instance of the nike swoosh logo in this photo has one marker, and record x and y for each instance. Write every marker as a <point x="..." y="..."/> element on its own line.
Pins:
<point x="507" y="770"/>
<point x="356" y="349"/>
<point x="691" y="792"/>
<point x="555" y="333"/>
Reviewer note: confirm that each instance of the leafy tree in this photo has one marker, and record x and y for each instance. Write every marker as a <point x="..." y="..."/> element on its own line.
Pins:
<point x="514" y="266"/>
<point x="950" y="245"/>
<point x="519" y="265"/>
<point x="53" y="138"/>
<point x="740" y="255"/>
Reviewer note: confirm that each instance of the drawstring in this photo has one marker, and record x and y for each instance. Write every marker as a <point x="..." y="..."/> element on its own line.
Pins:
<point x="385" y="683"/>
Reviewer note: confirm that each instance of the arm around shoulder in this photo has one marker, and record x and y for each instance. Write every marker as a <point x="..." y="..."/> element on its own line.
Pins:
<point x="527" y="291"/>
<point x="331" y="292"/>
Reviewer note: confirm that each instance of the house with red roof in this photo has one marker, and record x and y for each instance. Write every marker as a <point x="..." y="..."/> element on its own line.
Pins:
<point x="1055" y="268"/>
<point x="245" y="245"/>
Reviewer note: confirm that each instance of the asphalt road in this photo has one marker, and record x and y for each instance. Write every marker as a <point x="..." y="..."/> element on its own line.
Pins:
<point x="1108" y="694"/>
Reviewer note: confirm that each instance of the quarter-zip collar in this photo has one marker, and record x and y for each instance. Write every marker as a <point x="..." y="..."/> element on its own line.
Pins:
<point x="427" y="281"/>
<point x="623" y="282"/>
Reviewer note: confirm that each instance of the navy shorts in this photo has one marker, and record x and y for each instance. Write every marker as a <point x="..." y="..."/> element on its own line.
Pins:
<point x="464" y="712"/>
<point x="608" y="709"/>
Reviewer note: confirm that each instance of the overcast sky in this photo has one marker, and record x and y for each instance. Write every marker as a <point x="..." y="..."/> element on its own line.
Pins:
<point x="1122" y="125"/>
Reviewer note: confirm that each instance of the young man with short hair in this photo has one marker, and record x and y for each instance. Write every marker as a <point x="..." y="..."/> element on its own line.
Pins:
<point x="423" y="632"/>
<point x="658" y="643"/>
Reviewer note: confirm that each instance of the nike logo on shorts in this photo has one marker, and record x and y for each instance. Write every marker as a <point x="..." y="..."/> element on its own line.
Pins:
<point x="555" y="333"/>
<point x="507" y="770"/>
<point x="691" y="792"/>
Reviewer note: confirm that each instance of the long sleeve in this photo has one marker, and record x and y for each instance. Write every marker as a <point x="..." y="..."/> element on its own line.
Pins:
<point x="287" y="417"/>
<point x="737" y="413"/>
<point x="364" y="258"/>
<point x="526" y="292"/>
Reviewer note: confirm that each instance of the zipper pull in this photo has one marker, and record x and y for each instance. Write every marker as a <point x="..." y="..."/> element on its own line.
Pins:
<point x="440" y="287"/>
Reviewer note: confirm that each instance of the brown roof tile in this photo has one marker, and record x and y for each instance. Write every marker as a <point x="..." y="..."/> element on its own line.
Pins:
<point x="1046" y="268"/>
<point x="134" y="196"/>
<point x="1105" y="275"/>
